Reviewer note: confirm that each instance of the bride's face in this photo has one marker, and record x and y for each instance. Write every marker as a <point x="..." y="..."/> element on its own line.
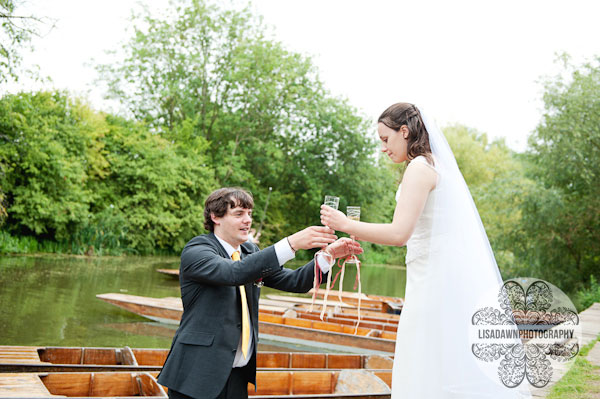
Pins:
<point x="393" y="143"/>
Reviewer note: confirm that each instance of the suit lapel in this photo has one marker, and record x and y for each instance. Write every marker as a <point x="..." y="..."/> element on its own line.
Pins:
<point x="244" y="251"/>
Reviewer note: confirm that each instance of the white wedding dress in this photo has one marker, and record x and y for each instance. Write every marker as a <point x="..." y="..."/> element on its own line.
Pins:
<point x="433" y="358"/>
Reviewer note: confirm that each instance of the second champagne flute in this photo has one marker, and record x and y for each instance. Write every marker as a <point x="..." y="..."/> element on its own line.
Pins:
<point x="353" y="213"/>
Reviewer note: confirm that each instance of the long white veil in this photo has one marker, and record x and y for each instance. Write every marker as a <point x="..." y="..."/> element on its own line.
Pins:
<point x="463" y="270"/>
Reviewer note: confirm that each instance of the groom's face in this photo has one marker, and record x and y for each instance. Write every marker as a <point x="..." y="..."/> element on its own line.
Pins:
<point x="233" y="227"/>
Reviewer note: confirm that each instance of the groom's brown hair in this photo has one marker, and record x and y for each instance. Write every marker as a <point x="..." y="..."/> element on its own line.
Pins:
<point x="219" y="201"/>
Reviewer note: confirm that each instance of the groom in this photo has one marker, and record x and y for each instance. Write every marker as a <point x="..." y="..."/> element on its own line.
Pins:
<point x="213" y="354"/>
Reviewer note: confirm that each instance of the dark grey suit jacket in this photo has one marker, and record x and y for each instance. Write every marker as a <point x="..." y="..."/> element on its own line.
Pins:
<point x="205" y="343"/>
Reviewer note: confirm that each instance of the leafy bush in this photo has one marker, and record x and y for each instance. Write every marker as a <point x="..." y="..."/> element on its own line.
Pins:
<point x="16" y="245"/>
<point x="588" y="296"/>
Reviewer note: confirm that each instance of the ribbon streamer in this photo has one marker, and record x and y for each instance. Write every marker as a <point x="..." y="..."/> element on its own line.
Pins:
<point x="318" y="281"/>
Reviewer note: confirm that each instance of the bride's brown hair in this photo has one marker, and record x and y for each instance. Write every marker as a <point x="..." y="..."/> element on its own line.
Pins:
<point x="407" y="114"/>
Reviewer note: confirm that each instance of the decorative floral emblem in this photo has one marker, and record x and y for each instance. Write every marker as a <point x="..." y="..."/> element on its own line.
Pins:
<point x="531" y="333"/>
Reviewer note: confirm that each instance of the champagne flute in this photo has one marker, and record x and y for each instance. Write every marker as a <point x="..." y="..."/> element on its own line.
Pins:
<point x="332" y="201"/>
<point x="353" y="213"/>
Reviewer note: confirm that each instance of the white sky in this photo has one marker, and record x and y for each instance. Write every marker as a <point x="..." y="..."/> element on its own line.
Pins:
<point x="472" y="62"/>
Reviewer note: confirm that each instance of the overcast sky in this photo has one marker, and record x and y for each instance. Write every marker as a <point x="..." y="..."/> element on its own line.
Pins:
<point x="473" y="62"/>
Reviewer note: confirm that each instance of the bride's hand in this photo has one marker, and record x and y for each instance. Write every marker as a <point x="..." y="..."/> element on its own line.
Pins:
<point x="333" y="218"/>
<point x="343" y="247"/>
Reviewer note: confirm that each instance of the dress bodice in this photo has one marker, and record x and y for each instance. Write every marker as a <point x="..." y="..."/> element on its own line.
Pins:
<point x="419" y="242"/>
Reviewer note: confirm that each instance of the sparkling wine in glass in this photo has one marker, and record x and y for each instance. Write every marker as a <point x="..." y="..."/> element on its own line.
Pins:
<point x="353" y="213"/>
<point x="332" y="201"/>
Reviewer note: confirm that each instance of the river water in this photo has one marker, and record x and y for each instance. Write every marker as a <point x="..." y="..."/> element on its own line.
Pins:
<point x="50" y="300"/>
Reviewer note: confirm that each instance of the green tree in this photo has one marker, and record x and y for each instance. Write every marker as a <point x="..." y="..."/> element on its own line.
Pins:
<point x="211" y="73"/>
<point x="156" y="186"/>
<point x="16" y="31"/>
<point x="46" y="149"/>
<point x="96" y="182"/>
<point x="560" y="227"/>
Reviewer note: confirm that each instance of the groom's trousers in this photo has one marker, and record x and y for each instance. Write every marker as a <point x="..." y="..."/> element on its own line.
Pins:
<point x="235" y="388"/>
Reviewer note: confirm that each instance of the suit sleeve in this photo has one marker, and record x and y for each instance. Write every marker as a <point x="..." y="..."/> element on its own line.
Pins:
<point x="200" y="261"/>
<point x="300" y="280"/>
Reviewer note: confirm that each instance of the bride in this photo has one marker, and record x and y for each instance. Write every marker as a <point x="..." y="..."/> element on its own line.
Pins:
<point x="450" y="264"/>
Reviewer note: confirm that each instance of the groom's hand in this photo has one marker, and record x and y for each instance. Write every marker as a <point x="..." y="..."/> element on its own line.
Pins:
<point x="312" y="237"/>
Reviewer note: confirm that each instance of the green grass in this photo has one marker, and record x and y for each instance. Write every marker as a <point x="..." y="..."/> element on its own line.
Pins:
<point x="582" y="381"/>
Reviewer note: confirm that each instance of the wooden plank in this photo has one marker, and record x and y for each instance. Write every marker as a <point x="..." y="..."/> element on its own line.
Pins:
<point x="68" y="384"/>
<point x="335" y="361"/>
<point x="22" y="386"/>
<point x="271" y="383"/>
<point x="19" y="355"/>
<point x="378" y="362"/>
<point x="386" y="376"/>
<point x="313" y="383"/>
<point x="273" y="360"/>
<point x="309" y="360"/>
<point x="99" y="356"/>
<point x="150" y="357"/>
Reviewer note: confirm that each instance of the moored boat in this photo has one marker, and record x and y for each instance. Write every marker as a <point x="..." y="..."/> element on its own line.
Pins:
<point x="390" y="304"/>
<point x="169" y="272"/>
<point x="357" y="384"/>
<point x="315" y="384"/>
<point x="82" y="385"/>
<point x="60" y="359"/>
<point x="342" y="337"/>
<point x="324" y="334"/>
<point x="166" y="310"/>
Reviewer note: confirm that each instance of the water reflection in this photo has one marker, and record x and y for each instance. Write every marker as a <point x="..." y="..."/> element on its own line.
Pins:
<point x="50" y="300"/>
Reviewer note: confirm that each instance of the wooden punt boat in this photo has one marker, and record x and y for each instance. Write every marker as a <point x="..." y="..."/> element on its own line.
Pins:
<point x="387" y="304"/>
<point x="321" y="333"/>
<point x="70" y="359"/>
<point x="385" y="325"/>
<point x="315" y="384"/>
<point x="169" y="309"/>
<point x="350" y="301"/>
<point x="272" y="326"/>
<point x="331" y="302"/>
<point x="347" y="312"/>
<point x="82" y="385"/>
<point x="166" y="310"/>
<point x="169" y="272"/>
<point x="390" y="304"/>
<point x="358" y="384"/>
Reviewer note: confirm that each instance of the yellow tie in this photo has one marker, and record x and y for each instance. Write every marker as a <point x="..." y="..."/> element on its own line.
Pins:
<point x="245" y="321"/>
